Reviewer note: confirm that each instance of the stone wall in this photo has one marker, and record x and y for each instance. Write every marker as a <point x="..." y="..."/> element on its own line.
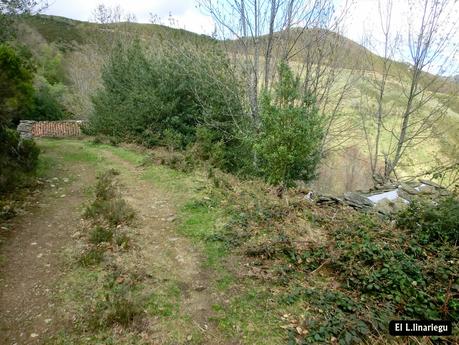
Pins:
<point x="30" y="129"/>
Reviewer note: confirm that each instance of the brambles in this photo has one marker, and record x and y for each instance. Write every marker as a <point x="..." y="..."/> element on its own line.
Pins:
<point x="353" y="274"/>
<point x="384" y="273"/>
<point x="432" y="222"/>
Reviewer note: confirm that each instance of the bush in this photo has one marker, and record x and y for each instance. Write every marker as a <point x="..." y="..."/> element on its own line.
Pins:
<point x="19" y="159"/>
<point x="432" y="222"/>
<point x="91" y="257"/>
<point x="115" y="304"/>
<point x="28" y="152"/>
<point x="16" y="89"/>
<point x="109" y="207"/>
<point x="100" y="235"/>
<point x="162" y="97"/>
<point x="288" y="144"/>
<point x="48" y="102"/>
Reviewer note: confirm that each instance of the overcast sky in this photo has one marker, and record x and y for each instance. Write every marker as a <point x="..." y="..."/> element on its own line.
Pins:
<point x="363" y="16"/>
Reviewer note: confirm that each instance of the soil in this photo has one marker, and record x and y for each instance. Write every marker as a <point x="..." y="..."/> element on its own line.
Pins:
<point x="33" y="256"/>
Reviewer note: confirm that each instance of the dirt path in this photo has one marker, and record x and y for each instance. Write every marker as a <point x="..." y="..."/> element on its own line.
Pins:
<point x="32" y="256"/>
<point x="34" y="265"/>
<point x="166" y="254"/>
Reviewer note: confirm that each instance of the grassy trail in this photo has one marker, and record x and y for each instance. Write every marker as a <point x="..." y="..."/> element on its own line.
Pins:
<point x="176" y="289"/>
<point x="183" y="287"/>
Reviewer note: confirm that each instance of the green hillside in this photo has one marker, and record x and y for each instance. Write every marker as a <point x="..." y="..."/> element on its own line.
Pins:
<point x="67" y="32"/>
<point x="83" y="48"/>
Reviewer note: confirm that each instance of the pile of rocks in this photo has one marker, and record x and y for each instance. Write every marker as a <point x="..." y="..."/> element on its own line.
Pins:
<point x="352" y="199"/>
<point x="387" y="199"/>
<point x="25" y="129"/>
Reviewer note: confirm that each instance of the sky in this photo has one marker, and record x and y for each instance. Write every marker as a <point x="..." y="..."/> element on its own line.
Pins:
<point x="362" y="19"/>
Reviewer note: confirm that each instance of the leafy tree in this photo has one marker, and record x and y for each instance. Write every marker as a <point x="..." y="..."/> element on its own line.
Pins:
<point x="16" y="90"/>
<point x="288" y="144"/>
<point x="47" y="102"/>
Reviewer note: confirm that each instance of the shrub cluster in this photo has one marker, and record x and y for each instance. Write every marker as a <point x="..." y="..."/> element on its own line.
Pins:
<point x="188" y="98"/>
<point x="432" y="222"/>
<point x="164" y="97"/>
<point x="18" y="159"/>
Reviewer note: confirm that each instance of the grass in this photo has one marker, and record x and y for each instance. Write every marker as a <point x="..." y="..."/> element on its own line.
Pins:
<point x="100" y="235"/>
<point x="91" y="257"/>
<point x="165" y="303"/>
<point x="252" y="316"/>
<point x="199" y="222"/>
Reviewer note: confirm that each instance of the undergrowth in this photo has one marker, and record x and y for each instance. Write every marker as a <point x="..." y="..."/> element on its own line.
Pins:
<point x="345" y="274"/>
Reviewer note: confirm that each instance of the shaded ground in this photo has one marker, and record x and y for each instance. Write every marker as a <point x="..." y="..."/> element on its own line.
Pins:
<point x="34" y="271"/>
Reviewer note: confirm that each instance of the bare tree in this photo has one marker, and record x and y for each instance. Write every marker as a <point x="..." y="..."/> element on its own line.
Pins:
<point x="104" y="14"/>
<point x="17" y="7"/>
<point x="259" y="34"/>
<point x="408" y="122"/>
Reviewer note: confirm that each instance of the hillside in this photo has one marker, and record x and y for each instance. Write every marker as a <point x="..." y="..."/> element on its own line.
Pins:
<point x="82" y="49"/>
<point x="68" y="35"/>
<point x="66" y="32"/>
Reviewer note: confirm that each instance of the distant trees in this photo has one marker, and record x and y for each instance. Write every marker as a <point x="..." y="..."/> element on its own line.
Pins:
<point x="393" y="128"/>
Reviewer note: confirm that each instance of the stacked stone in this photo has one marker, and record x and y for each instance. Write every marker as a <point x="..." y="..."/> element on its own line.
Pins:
<point x="25" y="129"/>
<point x="404" y="194"/>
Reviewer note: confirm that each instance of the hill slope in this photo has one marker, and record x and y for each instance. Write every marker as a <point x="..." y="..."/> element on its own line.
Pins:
<point x="82" y="49"/>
